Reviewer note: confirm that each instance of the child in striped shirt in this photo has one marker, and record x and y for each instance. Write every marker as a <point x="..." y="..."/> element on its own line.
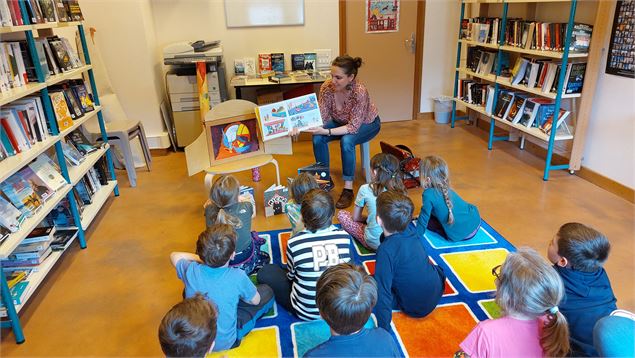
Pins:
<point x="309" y="253"/>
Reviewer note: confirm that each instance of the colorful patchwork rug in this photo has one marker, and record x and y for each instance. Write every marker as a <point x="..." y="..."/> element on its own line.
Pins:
<point x="468" y="299"/>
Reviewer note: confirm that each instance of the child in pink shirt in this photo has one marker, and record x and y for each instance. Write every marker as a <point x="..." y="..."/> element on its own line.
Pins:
<point x="528" y="291"/>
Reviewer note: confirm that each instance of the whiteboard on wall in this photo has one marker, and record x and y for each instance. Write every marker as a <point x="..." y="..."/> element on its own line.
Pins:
<point x="248" y="13"/>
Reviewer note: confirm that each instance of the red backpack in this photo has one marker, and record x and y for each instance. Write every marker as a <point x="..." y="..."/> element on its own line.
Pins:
<point x="408" y="163"/>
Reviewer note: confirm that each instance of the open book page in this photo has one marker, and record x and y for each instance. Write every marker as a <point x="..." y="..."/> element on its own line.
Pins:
<point x="277" y="119"/>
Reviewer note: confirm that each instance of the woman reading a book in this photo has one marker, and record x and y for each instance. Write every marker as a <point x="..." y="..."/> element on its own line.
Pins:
<point x="349" y="116"/>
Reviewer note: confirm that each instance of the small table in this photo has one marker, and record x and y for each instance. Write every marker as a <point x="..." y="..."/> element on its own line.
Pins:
<point x="264" y="82"/>
<point x="239" y="166"/>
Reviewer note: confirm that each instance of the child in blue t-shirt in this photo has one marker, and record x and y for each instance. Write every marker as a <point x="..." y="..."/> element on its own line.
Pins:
<point x="346" y="295"/>
<point x="239" y="302"/>
<point x="443" y="211"/>
<point x="385" y="176"/>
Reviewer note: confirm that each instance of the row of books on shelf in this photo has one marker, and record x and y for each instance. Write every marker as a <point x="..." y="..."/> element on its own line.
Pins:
<point x="282" y="77"/>
<point x="23" y="122"/>
<point x="534" y="35"/>
<point x="39" y="11"/>
<point x="26" y="258"/>
<point x="26" y="191"/>
<point x="530" y="72"/>
<point x="56" y="55"/>
<point x="271" y="63"/>
<point x="514" y="107"/>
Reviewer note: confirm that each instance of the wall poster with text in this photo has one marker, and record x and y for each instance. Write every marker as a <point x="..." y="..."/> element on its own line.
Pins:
<point x="621" y="57"/>
<point x="382" y="16"/>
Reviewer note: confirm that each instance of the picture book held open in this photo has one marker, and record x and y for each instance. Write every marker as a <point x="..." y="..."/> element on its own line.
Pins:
<point x="277" y="119"/>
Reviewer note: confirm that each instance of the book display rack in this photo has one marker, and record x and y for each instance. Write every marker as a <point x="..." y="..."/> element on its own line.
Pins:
<point x="507" y="49"/>
<point x="73" y="175"/>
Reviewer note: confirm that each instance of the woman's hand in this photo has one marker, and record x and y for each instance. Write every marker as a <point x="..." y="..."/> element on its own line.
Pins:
<point x="318" y="131"/>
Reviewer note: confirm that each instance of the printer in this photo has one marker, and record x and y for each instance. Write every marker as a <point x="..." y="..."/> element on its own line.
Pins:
<point x="182" y="86"/>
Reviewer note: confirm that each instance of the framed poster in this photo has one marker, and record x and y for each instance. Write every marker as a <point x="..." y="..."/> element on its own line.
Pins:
<point x="621" y="56"/>
<point x="382" y="16"/>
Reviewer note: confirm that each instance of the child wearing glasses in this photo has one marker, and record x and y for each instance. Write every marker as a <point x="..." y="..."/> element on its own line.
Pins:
<point x="577" y="253"/>
<point x="528" y="291"/>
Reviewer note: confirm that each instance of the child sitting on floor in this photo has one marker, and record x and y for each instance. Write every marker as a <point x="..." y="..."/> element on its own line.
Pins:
<point x="309" y="253"/>
<point x="385" y="173"/>
<point x="403" y="272"/>
<point x="346" y="295"/>
<point x="189" y="328"/>
<point x="239" y="302"/>
<point x="443" y="211"/>
<point x="578" y="252"/>
<point x="298" y="187"/>
<point x="223" y="206"/>
<point x="528" y="291"/>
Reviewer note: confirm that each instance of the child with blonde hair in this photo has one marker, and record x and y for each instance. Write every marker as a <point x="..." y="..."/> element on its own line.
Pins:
<point x="578" y="253"/>
<point x="297" y="188"/>
<point x="224" y="206"/>
<point x="385" y="177"/>
<point x="528" y="291"/>
<point x="443" y="210"/>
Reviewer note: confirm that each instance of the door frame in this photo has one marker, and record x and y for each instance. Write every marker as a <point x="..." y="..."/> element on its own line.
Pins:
<point x="421" y="10"/>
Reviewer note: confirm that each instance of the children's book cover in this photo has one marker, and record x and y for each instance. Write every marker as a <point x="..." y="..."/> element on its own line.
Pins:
<point x="82" y="96"/>
<point x="264" y="62"/>
<point x="62" y="113"/>
<point x="71" y="153"/>
<point x="309" y="61"/>
<point x="22" y="194"/>
<point x="46" y="170"/>
<point x="297" y="62"/>
<point x="275" y="199"/>
<point x="10" y="217"/>
<point x="277" y="62"/>
<point x="277" y="119"/>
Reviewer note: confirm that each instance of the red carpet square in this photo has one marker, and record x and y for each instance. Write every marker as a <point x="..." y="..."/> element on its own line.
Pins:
<point x="437" y="335"/>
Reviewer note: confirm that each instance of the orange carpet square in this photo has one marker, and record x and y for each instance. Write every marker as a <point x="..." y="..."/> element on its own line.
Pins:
<point x="474" y="268"/>
<point x="283" y="238"/>
<point x="437" y="335"/>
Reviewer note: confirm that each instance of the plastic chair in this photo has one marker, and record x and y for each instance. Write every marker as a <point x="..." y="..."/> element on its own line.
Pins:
<point x="364" y="154"/>
<point x="120" y="133"/>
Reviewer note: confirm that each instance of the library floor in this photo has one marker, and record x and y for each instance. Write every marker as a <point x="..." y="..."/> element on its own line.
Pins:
<point x="108" y="300"/>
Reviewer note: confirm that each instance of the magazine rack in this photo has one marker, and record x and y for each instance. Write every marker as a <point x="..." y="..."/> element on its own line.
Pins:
<point x="73" y="175"/>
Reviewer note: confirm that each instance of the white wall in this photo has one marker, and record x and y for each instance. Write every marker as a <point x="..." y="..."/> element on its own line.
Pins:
<point x="609" y="148"/>
<point x="187" y="20"/>
<point x="125" y="37"/>
<point x="439" y="58"/>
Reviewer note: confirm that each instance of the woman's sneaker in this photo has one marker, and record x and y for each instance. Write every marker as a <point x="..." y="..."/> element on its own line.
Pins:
<point x="346" y="199"/>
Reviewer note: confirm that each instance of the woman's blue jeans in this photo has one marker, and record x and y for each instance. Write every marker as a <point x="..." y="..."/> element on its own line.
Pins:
<point x="366" y="132"/>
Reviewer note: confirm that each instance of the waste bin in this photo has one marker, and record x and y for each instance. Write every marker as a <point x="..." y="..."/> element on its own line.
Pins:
<point x="442" y="109"/>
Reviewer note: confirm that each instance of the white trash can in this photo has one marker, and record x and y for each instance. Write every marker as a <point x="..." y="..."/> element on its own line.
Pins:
<point x="442" y="109"/>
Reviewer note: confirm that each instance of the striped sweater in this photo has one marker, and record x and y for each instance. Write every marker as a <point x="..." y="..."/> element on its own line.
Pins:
<point x="308" y="255"/>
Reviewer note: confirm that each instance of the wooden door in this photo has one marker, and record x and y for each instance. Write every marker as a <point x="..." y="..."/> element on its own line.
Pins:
<point x="391" y="67"/>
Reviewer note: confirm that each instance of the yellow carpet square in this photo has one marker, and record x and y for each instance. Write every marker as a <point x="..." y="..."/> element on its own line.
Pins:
<point x="261" y="342"/>
<point x="474" y="268"/>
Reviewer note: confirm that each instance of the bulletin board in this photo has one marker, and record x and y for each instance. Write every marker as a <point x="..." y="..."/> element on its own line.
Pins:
<point x="250" y="13"/>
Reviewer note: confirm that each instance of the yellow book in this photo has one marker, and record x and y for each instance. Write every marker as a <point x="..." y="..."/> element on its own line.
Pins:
<point x="62" y="113"/>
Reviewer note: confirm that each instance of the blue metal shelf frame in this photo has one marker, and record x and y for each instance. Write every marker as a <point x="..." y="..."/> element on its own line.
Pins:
<point x="561" y="78"/>
<point x="13" y="321"/>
